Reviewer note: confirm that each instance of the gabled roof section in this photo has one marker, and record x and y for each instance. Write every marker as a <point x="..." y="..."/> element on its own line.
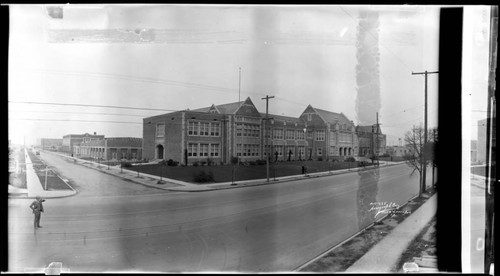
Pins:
<point x="283" y="118"/>
<point x="247" y="108"/>
<point x="229" y="108"/>
<point x="332" y="117"/>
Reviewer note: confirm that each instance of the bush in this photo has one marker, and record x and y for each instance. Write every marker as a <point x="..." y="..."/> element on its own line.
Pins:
<point x="350" y="159"/>
<point x="172" y="163"/>
<point x="320" y="158"/>
<point x="203" y="163"/>
<point x="261" y="162"/>
<point x="196" y="164"/>
<point x="126" y="165"/>
<point x="203" y="177"/>
<point x="252" y="163"/>
<point x="209" y="161"/>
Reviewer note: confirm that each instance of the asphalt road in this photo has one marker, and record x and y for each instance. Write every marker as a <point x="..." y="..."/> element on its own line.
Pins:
<point x="115" y="225"/>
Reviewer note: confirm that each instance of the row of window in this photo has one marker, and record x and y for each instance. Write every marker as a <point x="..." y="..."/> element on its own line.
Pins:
<point x="203" y="128"/>
<point x="201" y="150"/>
<point x="247" y="149"/>
<point x="248" y="130"/>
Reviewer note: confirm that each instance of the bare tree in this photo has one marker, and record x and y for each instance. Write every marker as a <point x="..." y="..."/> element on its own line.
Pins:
<point x="414" y="140"/>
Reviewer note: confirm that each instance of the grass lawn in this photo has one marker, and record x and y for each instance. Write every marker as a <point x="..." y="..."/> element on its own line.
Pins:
<point x="224" y="173"/>
<point x="54" y="182"/>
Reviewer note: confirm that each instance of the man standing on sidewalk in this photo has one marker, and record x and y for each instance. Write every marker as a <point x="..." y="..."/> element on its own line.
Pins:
<point x="37" y="208"/>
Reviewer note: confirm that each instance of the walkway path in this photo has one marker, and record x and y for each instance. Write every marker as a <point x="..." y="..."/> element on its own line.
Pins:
<point x="35" y="187"/>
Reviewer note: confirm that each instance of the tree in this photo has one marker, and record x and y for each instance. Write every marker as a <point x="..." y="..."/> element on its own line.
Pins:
<point x="414" y="140"/>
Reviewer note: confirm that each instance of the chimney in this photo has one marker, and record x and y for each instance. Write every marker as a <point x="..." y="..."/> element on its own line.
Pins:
<point x="95" y="133"/>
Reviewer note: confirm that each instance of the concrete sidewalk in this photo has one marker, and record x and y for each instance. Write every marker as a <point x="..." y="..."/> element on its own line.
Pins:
<point x="181" y="186"/>
<point x="384" y="256"/>
<point x="35" y="187"/>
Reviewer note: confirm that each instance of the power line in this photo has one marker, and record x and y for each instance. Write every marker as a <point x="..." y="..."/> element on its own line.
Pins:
<point x="70" y="120"/>
<point x="81" y="113"/>
<point x="94" y="105"/>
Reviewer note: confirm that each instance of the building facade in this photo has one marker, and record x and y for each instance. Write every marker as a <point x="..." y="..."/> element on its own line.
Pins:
<point x="51" y="144"/>
<point x="220" y="132"/>
<point x="71" y="142"/>
<point x="112" y="149"/>
<point x="371" y="141"/>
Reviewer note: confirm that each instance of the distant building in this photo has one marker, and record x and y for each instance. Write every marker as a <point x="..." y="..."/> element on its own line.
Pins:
<point x="53" y="144"/>
<point x="112" y="149"/>
<point x="219" y="132"/>
<point x="71" y="142"/>
<point x="371" y="140"/>
<point x="399" y="151"/>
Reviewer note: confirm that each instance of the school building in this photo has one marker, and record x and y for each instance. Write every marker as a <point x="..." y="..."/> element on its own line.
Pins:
<point x="219" y="132"/>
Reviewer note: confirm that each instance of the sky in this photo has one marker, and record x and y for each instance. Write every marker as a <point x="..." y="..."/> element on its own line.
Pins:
<point x="174" y="57"/>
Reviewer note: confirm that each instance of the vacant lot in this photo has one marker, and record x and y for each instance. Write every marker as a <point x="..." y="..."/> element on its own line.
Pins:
<point x="54" y="183"/>
<point x="224" y="173"/>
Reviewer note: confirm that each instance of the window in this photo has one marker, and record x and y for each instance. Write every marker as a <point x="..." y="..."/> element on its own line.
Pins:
<point x="278" y="133"/>
<point x="238" y="149"/>
<point x="239" y="129"/>
<point x="288" y="150"/>
<point x="301" y="151"/>
<point x="214" y="150"/>
<point x="268" y="133"/>
<point x="300" y="135"/>
<point x="214" y="129"/>
<point x="320" y="135"/>
<point x="160" y="130"/>
<point x="290" y="134"/>
<point x="309" y="134"/>
<point x="192" y="150"/>
<point x="204" y="129"/>
<point x="332" y="150"/>
<point x="320" y="151"/>
<point x="193" y="128"/>
<point x="309" y="117"/>
<point x="203" y="149"/>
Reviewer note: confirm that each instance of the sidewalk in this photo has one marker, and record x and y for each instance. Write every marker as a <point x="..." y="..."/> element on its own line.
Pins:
<point x="181" y="186"/>
<point x="34" y="186"/>
<point x="384" y="256"/>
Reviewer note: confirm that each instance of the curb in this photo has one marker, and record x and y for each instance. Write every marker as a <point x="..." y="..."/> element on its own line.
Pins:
<point x="376" y="261"/>
<point x="348" y="239"/>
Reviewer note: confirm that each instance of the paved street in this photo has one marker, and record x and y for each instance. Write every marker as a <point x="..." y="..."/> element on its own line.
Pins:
<point x="115" y="225"/>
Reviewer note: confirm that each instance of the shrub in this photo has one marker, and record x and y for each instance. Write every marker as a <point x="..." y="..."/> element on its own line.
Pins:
<point x="126" y="165"/>
<point x="252" y="163"/>
<point x="261" y="162"/>
<point x="203" y="177"/>
<point x="196" y="164"/>
<point x="350" y="159"/>
<point x="203" y="163"/>
<point x="209" y="161"/>
<point x="172" y="163"/>
<point x="234" y="160"/>
<point x="320" y="158"/>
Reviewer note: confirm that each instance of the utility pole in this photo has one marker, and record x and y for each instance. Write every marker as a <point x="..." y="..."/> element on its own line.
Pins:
<point x="424" y="162"/>
<point x="266" y="131"/>
<point x="376" y="141"/>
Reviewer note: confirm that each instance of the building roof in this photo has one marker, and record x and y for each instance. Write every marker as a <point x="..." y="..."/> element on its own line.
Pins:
<point x="287" y="119"/>
<point x="331" y="117"/>
<point x="229" y="108"/>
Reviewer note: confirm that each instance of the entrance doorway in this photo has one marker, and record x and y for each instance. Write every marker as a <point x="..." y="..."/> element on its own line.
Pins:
<point x="159" y="152"/>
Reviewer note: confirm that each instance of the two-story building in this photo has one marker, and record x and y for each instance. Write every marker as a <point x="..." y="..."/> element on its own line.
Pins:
<point x="71" y="142"/>
<point x="112" y="148"/>
<point x="219" y="132"/>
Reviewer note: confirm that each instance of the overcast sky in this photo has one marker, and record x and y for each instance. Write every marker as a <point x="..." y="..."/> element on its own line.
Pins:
<point x="174" y="57"/>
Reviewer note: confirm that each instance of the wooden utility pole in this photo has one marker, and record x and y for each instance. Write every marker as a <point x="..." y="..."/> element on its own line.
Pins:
<point x="424" y="161"/>
<point x="239" y="86"/>
<point x="265" y="132"/>
<point x="376" y="142"/>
